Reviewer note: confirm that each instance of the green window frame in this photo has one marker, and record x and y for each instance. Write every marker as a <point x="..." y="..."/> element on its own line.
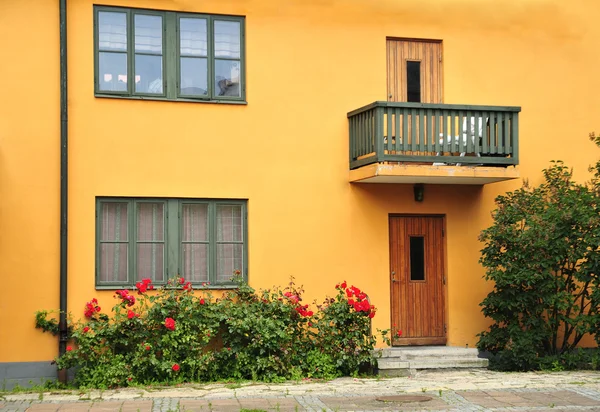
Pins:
<point x="202" y="240"/>
<point x="215" y="55"/>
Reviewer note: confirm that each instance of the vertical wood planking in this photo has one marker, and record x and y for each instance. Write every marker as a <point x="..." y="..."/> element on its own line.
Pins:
<point x="501" y="132"/>
<point x="397" y="124"/>
<point x="421" y="130"/>
<point x="468" y="134"/>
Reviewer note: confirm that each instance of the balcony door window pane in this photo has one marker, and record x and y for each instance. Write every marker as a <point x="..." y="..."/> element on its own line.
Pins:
<point x="193" y="60"/>
<point x="112" y="51"/>
<point x="148" y="53"/>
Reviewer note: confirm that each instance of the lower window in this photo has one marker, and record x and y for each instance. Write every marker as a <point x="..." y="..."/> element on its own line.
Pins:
<point x="202" y="240"/>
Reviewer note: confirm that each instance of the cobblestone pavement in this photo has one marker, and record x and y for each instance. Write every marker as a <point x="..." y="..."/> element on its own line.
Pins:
<point x="464" y="390"/>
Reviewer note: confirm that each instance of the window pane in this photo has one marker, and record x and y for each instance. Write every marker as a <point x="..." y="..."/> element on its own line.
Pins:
<point x="227" y="78"/>
<point x="195" y="262"/>
<point x="148" y="34"/>
<point x="229" y="223"/>
<point x="113" y="220"/>
<point x="195" y="222"/>
<point x="113" y="262"/>
<point x="148" y="74"/>
<point x="112" y="71"/>
<point x="413" y="80"/>
<point x="194" y="76"/>
<point x="112" y="31"/>
<point x="150" y="222"/>
<point x="229" y="259"/>
<point x="192" y="37"/>
<point x="150" y="261"/>
<point x="417" y="258"/>
<point x="227" y="39"/>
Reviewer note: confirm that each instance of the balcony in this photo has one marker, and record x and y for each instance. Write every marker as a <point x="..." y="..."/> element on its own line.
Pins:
<point x="433" y="143"/>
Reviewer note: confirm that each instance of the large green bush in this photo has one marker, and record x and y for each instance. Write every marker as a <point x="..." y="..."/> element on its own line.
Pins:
<point x="542" y="254"/>
<point x="172" y="335"/>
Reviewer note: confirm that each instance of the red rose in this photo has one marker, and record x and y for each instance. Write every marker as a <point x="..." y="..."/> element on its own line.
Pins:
<point x="348" y="293"/>
<point x="175" y="367"/>
<point x="350" y="301"/>
<point x="69" y="348"/>
<point x="146" y="281"/>
<point x="372" y="315"/>
<point x="399" y="333"/>
<point x="343" y="285"/>
<point x="202" y="301"/>
<point x="141" y="287"/>
<point x="87" y="328"/>
<point x="170" y="323"/>
<point x="147" y="347"/>
<point x="181" y="281"/>
<point x="130" y="314"/>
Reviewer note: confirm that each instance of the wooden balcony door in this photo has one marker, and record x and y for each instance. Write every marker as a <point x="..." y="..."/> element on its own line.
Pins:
<point x="414" y="71"/>
<point x="417" y="279"/>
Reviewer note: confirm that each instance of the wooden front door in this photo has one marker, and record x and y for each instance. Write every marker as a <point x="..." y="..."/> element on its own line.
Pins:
<point x="417" y="279"/>
<point x="414" y="71"/>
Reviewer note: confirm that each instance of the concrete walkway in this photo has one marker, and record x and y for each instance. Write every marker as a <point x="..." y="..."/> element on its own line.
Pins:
<point x="457" y="390"/>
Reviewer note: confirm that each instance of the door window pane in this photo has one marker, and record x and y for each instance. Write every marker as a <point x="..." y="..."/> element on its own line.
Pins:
<point x="112" y="71"/>
<point x="227" y="78"/>
<point x="148" y="34"/>
<point x="192" y="37"/>
<point x="413" y="79"/>
<point x="194" y="76"/>
<point x="417" y="258"/>
<point x="112" y="31"/>
<point x="227" y="39"/>
<point x="148" y="74"/>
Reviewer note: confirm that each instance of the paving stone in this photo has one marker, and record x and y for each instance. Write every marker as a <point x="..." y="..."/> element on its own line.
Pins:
<point x="43" y="407"/>
<point x="76" y="407"/>
<point x="137" y="405"/>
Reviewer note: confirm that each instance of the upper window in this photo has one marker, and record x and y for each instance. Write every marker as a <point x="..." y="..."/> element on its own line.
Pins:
<point x="168" y="55"/>
<point x="200" y="240"/>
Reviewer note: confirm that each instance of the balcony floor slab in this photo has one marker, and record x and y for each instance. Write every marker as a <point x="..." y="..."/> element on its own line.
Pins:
<point x="432" y="174"/>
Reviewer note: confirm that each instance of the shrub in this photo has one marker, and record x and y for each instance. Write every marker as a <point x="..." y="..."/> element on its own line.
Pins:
<point x="173" y="335"/>
<point x="542" y="255"/>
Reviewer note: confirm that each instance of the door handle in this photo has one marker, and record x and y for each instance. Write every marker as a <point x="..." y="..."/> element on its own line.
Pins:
<point x="393" y="276"/>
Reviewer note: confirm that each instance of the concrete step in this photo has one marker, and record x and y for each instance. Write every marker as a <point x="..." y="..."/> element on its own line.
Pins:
<point x="438" y="363"/>
<point x="401" y="361"/>
<point x="418" y="352"/>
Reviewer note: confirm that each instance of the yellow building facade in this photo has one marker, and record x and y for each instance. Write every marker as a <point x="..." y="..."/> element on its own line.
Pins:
<point x="249" y="121"/>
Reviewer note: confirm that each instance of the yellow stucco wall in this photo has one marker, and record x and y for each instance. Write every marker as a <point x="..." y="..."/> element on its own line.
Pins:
<point x="309" y="62"/>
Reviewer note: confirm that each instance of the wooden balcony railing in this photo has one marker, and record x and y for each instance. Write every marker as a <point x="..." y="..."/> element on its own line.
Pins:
<point x="434" y="133"/>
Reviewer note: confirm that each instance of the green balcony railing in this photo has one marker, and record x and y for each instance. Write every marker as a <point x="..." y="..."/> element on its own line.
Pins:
<point x="434" y="133"/>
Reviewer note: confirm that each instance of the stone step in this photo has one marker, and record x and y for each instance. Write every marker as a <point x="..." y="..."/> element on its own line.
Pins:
<point x="402" y="361"/>
<point x="436" y="363"/>
<point x="419" y="352"/>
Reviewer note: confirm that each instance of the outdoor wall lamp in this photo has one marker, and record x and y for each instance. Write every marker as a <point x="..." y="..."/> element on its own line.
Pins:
<point x="419" y="190"/>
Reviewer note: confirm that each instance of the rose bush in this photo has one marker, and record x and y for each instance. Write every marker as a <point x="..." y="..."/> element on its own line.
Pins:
<point x="170" y="334"/>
